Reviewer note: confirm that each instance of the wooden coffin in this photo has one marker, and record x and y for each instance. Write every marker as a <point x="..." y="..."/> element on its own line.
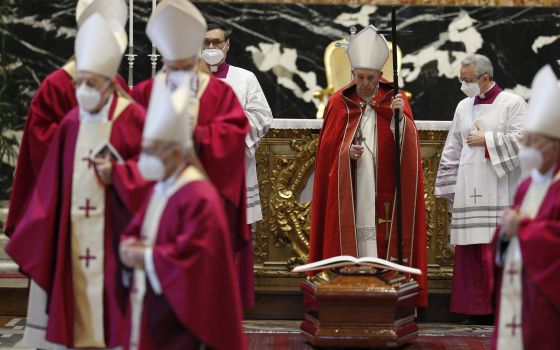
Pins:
<point x="360" y="310"/>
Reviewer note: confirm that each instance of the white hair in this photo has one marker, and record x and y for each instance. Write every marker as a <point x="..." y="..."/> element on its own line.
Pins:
<point x="481" y="64"/>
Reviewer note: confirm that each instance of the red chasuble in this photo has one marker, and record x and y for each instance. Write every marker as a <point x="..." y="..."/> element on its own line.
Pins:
<point x="333" y="230"/>
<point x="539" y="242"/>
<point x="41" y="242"/>
<point x="194" y="264"/>
<point x="219" y="141"/>
<point x="53" y="100"/>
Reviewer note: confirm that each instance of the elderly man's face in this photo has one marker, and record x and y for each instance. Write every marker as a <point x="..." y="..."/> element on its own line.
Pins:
<point x="468" y="75"/>
<point x="549" y="148"/>
<point x="366" y="81"/>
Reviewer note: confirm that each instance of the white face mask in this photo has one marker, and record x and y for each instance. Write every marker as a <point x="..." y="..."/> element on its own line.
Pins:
<point x="151" y="167"/>
<point x="470" y="89"/>
<point x="529" y="158"/>
<point x="88" y="97"/>
<point x="212" y="57"/>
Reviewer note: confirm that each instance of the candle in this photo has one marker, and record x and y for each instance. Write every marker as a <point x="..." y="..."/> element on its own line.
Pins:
<point x="130" y="24"/>
<point x="153" y="9"/>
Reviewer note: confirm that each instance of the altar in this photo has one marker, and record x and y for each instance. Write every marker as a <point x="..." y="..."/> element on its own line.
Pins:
<point x="285" y="166"/>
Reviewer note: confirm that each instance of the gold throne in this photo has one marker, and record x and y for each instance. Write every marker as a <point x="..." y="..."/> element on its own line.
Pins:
<point x="338" y="71"/>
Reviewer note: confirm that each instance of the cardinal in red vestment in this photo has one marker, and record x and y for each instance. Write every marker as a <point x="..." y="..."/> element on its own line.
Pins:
<point x="52" y="101"/>
<point x="220" y="121"/>
<point x="86" y="193"/>
<point x="353" y="204"/>
<point x="183" y="291"/>
<point x="527" y="242"/>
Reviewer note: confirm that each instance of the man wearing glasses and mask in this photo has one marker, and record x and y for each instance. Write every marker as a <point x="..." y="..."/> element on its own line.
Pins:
<point x="479" y="171"/>
<point x="215" y="48"/>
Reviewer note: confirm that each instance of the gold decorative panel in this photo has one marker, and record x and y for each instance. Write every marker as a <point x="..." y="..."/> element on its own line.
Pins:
<point x="285" y="162"/>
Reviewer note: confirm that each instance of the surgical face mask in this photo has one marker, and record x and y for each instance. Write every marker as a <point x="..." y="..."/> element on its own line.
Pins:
<point x="151" y="167"/>
<point x="88" y="97"/>
<point x="529" y="158"/>
<point x="212" y="57"/>
<point x="470" y="89"/>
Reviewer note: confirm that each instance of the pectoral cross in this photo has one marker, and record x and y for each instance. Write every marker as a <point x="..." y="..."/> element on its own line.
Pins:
<point x="87" y="257"/>
<point x="386" y="221"/>
<point x="360" y="137"/>
<point x="475" y="195"/>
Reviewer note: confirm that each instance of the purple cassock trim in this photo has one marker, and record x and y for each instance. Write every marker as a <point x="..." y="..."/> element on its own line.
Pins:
<point x="222" y="71"/>
<point x="489" y="96"/>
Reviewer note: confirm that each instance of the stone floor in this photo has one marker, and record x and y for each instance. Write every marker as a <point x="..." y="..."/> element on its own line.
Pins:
<point x="11" y="331"/>
<point x="285" y="335"/>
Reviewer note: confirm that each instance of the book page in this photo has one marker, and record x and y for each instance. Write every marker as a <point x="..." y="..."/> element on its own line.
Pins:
<point x="384" y="264"/>
<point x="347" y="260"/>
<point x="335" y="261"/>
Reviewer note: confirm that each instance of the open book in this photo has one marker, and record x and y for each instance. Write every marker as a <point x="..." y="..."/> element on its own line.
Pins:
<point x="347" y="260"/>
<point x="107" y="149"/>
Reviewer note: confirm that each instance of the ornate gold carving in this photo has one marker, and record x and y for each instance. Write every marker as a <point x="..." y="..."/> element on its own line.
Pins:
<point x="262" y="228"/>
<point x="440" y="255"/>
<point x="285" y="161"/>
<point x="291" y="218"/>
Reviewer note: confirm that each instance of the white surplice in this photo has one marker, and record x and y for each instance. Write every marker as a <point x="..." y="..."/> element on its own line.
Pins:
<point x="252" y="99"/>
<point x="481" y="188"/>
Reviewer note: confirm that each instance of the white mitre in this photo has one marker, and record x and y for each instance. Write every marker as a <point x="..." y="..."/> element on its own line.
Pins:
<point x="368" y="49"/>
<point x="109" y="9"/>
<point x="543" y="112"/>
<point x="99" y="46"/>
<point x="177" y="29"/>
<point x="168" y="119"/>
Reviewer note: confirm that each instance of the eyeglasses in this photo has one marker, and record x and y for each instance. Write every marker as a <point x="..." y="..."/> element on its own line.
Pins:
<point x="218" y="43"/>
<point x="468" y="81"/>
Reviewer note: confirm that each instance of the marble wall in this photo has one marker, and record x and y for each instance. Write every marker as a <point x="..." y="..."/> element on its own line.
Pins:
<point x="283" y="43"/>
